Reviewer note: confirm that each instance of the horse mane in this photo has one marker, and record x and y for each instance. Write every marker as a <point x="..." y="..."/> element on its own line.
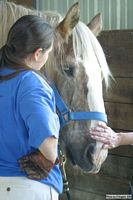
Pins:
<point x="85" y="44"/>
<point x="86" y="47"/>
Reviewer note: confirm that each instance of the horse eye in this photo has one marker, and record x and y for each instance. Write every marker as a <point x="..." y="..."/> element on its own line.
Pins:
<point x="86" y="90"/>
<point x="69" y="70"/>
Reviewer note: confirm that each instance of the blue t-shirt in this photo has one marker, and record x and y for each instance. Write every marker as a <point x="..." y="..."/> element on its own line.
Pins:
<point x="27" y="117"/>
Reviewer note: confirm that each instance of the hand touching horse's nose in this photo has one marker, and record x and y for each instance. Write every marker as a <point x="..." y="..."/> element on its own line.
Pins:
<point x="106" y="135"/>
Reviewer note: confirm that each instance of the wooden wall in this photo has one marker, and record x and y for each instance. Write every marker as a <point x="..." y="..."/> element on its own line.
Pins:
<point x="117" y="170"/>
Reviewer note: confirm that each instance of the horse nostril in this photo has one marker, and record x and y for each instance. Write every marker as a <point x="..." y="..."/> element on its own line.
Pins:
<point x="90" y="150"/>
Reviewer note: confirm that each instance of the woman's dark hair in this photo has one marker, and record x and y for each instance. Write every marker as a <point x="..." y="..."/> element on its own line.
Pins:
<point x="25" y="36"/>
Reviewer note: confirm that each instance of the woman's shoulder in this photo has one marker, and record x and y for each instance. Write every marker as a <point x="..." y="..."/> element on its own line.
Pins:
<point x="32" y="79"/>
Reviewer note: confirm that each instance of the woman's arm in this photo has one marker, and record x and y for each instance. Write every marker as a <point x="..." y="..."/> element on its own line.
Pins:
<point x="49" y="148"/>
<point x="110" y="138"/>
<point x="38" y="164"/>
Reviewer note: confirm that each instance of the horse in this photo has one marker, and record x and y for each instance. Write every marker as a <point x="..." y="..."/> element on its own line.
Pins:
<point x="77" y="66"/>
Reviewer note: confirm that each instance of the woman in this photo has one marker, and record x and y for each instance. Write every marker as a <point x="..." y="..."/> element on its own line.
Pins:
<point x="110" y="138"/>
<point x="29" y="126"/>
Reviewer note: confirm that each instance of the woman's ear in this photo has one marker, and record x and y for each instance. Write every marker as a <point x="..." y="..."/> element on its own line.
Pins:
<point x="37" y="54"/>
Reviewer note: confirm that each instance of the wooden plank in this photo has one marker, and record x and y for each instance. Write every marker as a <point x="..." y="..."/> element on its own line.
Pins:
<point x="118" y="48"/>
<point x="118" y="167"/>
<point x="99" y="185"/>
<point x="79" y="194"/>
<point x="125" y="151"/>
<point x="120" y="115"/>
<point x="121" y="91"/>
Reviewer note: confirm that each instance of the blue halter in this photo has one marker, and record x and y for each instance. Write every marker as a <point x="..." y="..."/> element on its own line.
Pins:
<point x="65" y="114"/>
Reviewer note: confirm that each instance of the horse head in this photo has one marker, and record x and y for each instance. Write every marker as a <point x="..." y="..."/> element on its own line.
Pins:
<point x="77" y="66"/>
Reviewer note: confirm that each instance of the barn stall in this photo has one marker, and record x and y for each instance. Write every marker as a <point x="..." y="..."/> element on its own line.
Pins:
<point x="117" y="170"/>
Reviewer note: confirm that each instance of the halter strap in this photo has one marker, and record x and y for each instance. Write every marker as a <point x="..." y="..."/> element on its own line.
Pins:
<point x="65" y="114"/>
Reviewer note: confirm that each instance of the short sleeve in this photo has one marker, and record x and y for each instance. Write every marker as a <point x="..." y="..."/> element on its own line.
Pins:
<point x="37" y="109"/>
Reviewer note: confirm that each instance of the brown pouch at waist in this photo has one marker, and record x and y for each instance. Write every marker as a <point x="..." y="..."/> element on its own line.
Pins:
<point x="36" y="166"/>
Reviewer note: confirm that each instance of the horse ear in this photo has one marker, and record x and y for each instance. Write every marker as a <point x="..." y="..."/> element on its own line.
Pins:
<point x="71" y="19"/>
<point x="96" y="24"/>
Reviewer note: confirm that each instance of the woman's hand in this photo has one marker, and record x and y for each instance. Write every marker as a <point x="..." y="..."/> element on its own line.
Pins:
<point x="106" y="135"/>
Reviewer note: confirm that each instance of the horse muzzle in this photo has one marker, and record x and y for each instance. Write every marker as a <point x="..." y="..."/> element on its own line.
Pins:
<point x="95" y="156"/>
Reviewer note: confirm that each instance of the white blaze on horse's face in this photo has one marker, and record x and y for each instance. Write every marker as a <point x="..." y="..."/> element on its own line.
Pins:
<point x="93" y="66"/>
<point x="100" y="154"/>
<point x="95" y="103"/>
